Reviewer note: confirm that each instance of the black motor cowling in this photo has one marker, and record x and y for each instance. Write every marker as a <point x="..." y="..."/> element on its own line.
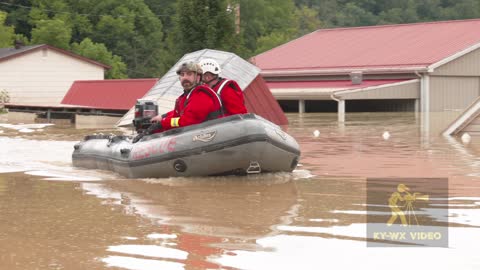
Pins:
<point x="145" y="110"/>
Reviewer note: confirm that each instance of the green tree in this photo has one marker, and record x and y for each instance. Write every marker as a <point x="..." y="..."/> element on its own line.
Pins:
<point x="133" y="32"/>
<point x="270" y="41"/>
<point x="463" y="9"/>
<point x="266" y="21"/>
<point x="203" y="24"/>
<point x="7" y="33"/>
<point x="307" y="20"/>
<point x="53" y="32"/>
<point x="164" y="10"/>
<point x="18" y="17"/>
<point x="353" y="15"/>
<point x="4" y="98"/>
<point x="100" y="53"/>
<point x="405" y="12"/>
<point x="43" y="10"/>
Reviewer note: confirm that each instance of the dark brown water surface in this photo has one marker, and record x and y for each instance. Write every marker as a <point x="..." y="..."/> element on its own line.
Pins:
<point x="54" y="216"/>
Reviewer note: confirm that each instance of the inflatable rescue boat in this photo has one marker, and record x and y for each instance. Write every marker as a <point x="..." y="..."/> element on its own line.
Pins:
<point x="234" y="145"/>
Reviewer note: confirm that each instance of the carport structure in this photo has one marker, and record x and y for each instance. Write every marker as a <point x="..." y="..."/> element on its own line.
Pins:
<point x="423" y="67"/>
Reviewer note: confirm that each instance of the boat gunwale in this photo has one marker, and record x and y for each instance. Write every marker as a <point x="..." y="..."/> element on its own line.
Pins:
<point x="189" y="152"/>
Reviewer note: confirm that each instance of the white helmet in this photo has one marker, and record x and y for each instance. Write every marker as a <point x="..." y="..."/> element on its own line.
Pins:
<point x="210" y="65"/>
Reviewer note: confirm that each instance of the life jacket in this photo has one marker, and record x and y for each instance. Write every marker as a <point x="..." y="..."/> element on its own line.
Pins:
<point x="210" y="92"/>
<point x="223" y="82"/>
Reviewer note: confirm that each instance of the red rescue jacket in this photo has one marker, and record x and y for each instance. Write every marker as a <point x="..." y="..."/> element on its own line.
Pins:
<point x="231" y="95"/>
<point x="193" y="107"/>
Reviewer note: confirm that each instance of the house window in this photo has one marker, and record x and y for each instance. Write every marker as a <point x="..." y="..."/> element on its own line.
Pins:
<point x="44" y="52"/>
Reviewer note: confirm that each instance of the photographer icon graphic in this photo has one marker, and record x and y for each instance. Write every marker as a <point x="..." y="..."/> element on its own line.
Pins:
<point x="403" y="195"/>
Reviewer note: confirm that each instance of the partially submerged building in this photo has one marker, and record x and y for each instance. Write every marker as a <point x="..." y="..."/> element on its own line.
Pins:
<point x="104" y="101"/>
<point x="423" y="67"/>
<point x="42" y="74"/>
<point x="467" y="122"/>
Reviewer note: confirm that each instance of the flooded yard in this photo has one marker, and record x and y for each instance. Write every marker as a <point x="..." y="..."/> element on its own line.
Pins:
<point x="55" y="216"/>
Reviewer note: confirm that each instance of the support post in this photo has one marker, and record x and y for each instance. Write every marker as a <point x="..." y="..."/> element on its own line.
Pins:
<point x="341" y="110"/>
<point x="417" y="108"/>
<point x="425" y="103"/>
<point x="48" y="115"/>
<point x="301" y="106"/>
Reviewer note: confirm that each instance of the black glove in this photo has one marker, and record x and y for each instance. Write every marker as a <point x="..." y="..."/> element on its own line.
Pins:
<point x="138" y="137"/>
<point x="148" y="131"/>
<point x="155" y="126"/>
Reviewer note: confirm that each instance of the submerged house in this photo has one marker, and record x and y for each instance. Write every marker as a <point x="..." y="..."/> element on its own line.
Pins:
<point x="104" y="101"/>
<point x="421" y="67"/>
<point x="37" y="77"/>
<point x="41" y="75"/>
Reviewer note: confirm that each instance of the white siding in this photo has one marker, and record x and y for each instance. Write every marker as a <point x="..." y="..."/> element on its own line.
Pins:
<point x="43" y="77"/>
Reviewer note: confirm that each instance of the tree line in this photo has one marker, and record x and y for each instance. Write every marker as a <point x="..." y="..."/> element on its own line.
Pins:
<point x="143" y="38"/>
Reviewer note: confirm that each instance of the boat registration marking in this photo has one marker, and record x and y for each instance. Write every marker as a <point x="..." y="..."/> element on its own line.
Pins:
<point x="153" y="148"/>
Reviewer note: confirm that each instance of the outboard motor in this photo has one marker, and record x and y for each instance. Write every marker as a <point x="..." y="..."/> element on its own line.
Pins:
<point x="145" y="110"/>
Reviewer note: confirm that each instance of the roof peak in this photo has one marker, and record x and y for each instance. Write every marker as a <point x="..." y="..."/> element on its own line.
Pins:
<point x="11" y="52"/>
<point x="396" y="25"/>
<point x="116" y="80"/>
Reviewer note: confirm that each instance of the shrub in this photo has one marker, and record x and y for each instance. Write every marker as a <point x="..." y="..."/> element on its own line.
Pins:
<point x="4" y="98"/>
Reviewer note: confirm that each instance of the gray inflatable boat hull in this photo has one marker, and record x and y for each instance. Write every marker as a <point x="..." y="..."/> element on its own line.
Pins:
<point x="239" y="144"/>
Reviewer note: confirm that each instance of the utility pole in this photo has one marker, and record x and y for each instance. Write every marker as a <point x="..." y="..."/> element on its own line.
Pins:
<point x="237" y="18"/>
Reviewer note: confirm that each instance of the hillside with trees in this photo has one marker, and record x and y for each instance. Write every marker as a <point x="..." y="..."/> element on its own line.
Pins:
<point x="143" y="38"/>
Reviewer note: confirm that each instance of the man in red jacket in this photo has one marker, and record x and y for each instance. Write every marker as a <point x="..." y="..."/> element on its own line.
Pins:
<point x="197" y="104"/>
<point x="229" y="91"/>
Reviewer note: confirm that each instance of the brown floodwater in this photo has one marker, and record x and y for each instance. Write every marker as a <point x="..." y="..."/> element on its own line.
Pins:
<point x="55" y="216"/>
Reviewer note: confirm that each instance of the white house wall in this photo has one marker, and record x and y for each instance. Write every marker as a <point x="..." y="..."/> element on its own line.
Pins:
<point x="43" y="77"/>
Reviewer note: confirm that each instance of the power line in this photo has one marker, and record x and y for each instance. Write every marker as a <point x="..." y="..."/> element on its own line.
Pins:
<point x="82" y="14"/>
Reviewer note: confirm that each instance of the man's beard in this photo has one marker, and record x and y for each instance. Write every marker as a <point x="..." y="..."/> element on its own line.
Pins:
<point x="186" y="84"/>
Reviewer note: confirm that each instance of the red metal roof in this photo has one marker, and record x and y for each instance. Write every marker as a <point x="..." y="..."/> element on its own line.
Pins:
<point x="259" y="100"/>
<point x="389" y="46"/>
<point x="108" y="94"/>
<point x="345" y="84"/>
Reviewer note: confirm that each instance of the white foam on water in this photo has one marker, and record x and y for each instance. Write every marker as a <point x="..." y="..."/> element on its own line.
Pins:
<point x="21" y="127"/>
<point x="140" y="264"/>
<point x="312" y="252"/>
<point x="100" y="191"/>
<point x="469" y="217"/>
<point x="5" y="169"/>
<point x="161" y="236"/>
<point x="353" y="230"/>
<point x="464" y="198"/>
<point x="374" y="205"/>
<point x="302" y="174"/>
<point x="453" y="205"/>
<point x="150" y="251"/>
<point x="360" y="212"/>
<point x="51" y="159"/>
<point x="130" y="238"/>
<point x="324" y="220"/>
<point x="464" y="216"/>
<point x="59" y="176"/>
